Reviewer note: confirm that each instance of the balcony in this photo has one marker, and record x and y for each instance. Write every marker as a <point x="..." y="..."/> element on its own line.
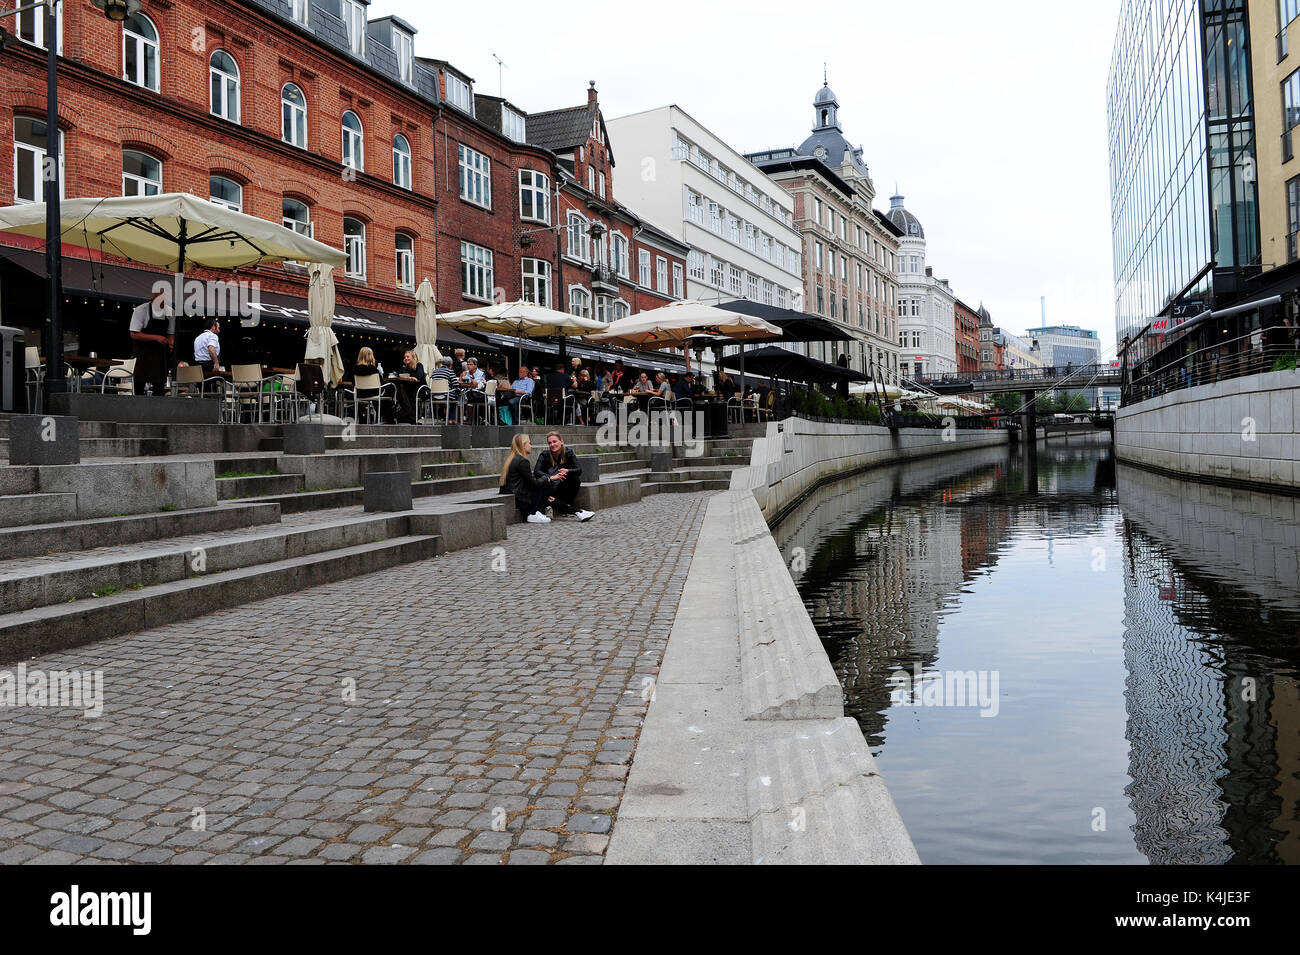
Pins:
<point x="604" y="278"/>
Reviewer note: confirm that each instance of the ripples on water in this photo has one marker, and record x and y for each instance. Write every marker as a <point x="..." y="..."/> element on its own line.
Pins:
<point x="1143" y="632"/>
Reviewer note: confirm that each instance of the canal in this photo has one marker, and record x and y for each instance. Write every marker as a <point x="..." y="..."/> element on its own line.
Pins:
<point x="1080" y="662"/>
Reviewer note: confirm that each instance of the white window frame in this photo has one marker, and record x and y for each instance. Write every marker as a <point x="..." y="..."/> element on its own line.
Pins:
<point x="405" y="259"/>
<point x="538" y="186"/>
<point x="643" y="267"/>
<point x="298" y="9"/>
<point x="475" y="176"/>
<point x="404" y="47"/>
<point x="29" y="26"/>
<point x="619" y="257"/>
<point x="354" y="247"/>
<point x="402" y="162"/>
<point x="619" y="309"/>
<point x="459" y="93"/>
<point x="301" y="226"/>
<point x="476" y="272"/>
<point x="694" y="207"/>
<point x="142" y="183"/>
<point x="353" y="141"/>
<point x="513" y="125"/>
<point x="537" y="274"/>
<point x="39" y="157"/>
<point x="293" y="116"/>
<point x="661" y="274"/>
<point x="679" y="281"/>
<point x="223" y="88"/>
<point x="579" y="301"/>
<point x="696" y="264"/>
<point x="354" y="20"/>
<point x="578" y="236"/>
<point x="146" y="49"/>
<point x="226" y="203"/>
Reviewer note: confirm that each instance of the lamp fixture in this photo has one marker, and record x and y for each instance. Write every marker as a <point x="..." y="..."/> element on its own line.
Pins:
<point x="118" y="10"/>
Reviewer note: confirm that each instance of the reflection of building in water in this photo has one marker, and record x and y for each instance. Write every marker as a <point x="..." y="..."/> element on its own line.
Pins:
<point x="1216" y="773"/>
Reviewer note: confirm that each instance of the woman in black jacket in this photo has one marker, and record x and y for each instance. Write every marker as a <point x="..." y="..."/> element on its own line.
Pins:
<point x="517" y="478"/>
<point x="557" y="461"/>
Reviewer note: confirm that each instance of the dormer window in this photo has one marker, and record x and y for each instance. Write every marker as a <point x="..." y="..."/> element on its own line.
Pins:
<point x="354" y="17"/>
<point x="299" y="9"/>
<point x="459" y="93"/>
<point x="512" y="125"/>
<point x="404" y="47"/>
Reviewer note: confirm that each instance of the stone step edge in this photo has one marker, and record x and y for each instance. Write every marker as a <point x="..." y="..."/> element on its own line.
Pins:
<point x="165" y="565"/>
<point x="785" y="673"/>
<point x="814" y="797"/>
<point x="53" y="629"/>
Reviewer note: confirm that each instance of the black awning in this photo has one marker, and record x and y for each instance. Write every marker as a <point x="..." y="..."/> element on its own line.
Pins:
<point x="358" y="319"/>
<point x="776" y="362"/>
<point x="795" y="326"/>
<point x="85" y="277"/>
<point x="657" y="361"/>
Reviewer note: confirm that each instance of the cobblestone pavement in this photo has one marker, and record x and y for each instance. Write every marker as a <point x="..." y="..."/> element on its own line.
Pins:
<point x="481" y="707"/>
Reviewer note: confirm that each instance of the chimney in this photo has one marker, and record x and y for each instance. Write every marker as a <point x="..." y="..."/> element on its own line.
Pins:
<point x="591" y="94"/>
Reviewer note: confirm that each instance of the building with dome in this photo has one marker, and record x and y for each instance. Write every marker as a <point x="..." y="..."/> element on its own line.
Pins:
<point x="850" y="251"/>
<point x="927" y="306"/>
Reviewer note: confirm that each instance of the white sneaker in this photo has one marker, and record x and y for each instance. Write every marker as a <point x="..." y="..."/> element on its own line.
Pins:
<point x="538" y="518"/>
<point x="585" y="515"/>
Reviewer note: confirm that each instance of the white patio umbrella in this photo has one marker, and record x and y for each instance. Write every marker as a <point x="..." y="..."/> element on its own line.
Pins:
<point x="173" y="230"/>
<point x="669" y="326"/>
<point x="426" y="328"/>
<point x="322" y="343"/>
<point x="522" y="320"/>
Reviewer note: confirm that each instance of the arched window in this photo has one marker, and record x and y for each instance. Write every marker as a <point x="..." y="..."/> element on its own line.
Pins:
<point x="402" y="161"/>
<point x="354" y="148"/>
<point x="31" y="145"/>
<point x="226" y="192"/>
<point x="405" y="261"/>
<point x="294" y="115"/>
<point x="141" y="174"/>
<point x="579" y="238"/>
<point x="224" y="74"/>
<point x="297" y="216"/>
<point x="140" y="51"/>
<point x="579" y="301"/>
<point x="354" y="245"/>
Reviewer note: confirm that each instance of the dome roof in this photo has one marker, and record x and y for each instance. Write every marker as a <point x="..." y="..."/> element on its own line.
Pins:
<point x="907" y="222"/>
<point x="825" y="95"/>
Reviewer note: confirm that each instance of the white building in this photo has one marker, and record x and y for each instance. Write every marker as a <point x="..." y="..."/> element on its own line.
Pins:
<point x="738" y="224"/>
<point x="927" y="312"/>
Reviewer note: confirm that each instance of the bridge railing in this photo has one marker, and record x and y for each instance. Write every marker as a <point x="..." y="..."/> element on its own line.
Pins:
<point x="1062" y="376"/>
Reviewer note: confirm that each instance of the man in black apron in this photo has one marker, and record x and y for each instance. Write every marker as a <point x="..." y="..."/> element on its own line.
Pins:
<point x="153" y="326"/>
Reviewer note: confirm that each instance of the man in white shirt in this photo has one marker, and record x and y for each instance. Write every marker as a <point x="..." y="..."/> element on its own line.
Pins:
<point x="207" y="348"/>
<point x="153" y="329"/>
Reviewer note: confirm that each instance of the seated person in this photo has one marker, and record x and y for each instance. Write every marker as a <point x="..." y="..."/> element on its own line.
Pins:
<point x="472" y="382"/>
<point x="521" y="388"/>
<point x="557" y="378"/>
<point x="642" y="384"/>
<point x="586" y="388"/>
<point x="519" y="479"/>
<point x="687" y="387"/>
<point x="444" y="373"/>
<point x="617" y="379"/>
<point x="725" y="386"/>
<point x="664" y="389"/>
<point x="410" y="378"/>
<point x="365" y="365"/>
<point x="559" y="464"/>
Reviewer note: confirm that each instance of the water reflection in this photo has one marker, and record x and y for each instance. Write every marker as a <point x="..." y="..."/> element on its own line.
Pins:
<point x="1143" y="629"/>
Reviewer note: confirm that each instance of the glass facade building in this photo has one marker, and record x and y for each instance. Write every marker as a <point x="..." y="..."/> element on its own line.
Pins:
<point x="1181" y="134"/>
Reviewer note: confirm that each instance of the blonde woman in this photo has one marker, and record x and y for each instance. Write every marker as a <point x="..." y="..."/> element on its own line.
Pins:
<point x="517" y="478"/>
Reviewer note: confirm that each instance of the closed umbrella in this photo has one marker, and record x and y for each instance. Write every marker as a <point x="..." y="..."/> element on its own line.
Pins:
<point x="426" y="328"/>
<point x="322" y="343"/>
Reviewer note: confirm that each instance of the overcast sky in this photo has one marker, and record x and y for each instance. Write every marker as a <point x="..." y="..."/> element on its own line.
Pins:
<point x="990" y="117"/>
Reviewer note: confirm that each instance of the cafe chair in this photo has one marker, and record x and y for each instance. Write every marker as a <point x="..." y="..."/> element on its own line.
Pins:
<point x="735" y="410"/>
<point x="524" y="400"/>
<point x="490" y="403"/>
<point x="377" y="392"/>
<point x="35" y="378"/>
<point x="309" y="389"/>
<point x="437" y="392"/>
<point x="188" y="381"/>
<point x="119" y="379"/>
<point x="247" y="394"/>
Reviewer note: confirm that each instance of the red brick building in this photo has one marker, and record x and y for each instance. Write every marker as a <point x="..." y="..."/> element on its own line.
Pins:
<point x="308" y="114"/>
<point x="297" y="122"/>
<point x="966" y="321"/>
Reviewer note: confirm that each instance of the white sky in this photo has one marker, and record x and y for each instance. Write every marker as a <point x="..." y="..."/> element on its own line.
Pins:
<point x="991" y="117"/>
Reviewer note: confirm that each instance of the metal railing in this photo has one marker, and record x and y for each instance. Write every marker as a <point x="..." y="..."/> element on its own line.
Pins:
<point x="1177" y="367"/>
<point x="1066" y="376"/>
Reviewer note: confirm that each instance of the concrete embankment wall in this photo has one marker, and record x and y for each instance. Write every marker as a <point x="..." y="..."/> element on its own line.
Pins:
<point x="797" y="455"/>
<point x="1240" y="432"/>
<point x="746" y="754"/>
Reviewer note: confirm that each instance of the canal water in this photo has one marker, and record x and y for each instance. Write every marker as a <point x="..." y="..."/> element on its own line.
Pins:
<point x="1077" y="662"/>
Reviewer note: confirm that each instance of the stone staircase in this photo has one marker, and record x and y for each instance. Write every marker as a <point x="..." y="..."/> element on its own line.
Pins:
<point x="161" y="523"/>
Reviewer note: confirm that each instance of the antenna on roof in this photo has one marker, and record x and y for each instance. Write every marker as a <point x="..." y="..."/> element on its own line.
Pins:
<point x="500" y="65"/>
<point x="825" y="80"/>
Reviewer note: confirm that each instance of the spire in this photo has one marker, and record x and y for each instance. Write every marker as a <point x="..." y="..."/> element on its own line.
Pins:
<point x="825" y="81"/>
